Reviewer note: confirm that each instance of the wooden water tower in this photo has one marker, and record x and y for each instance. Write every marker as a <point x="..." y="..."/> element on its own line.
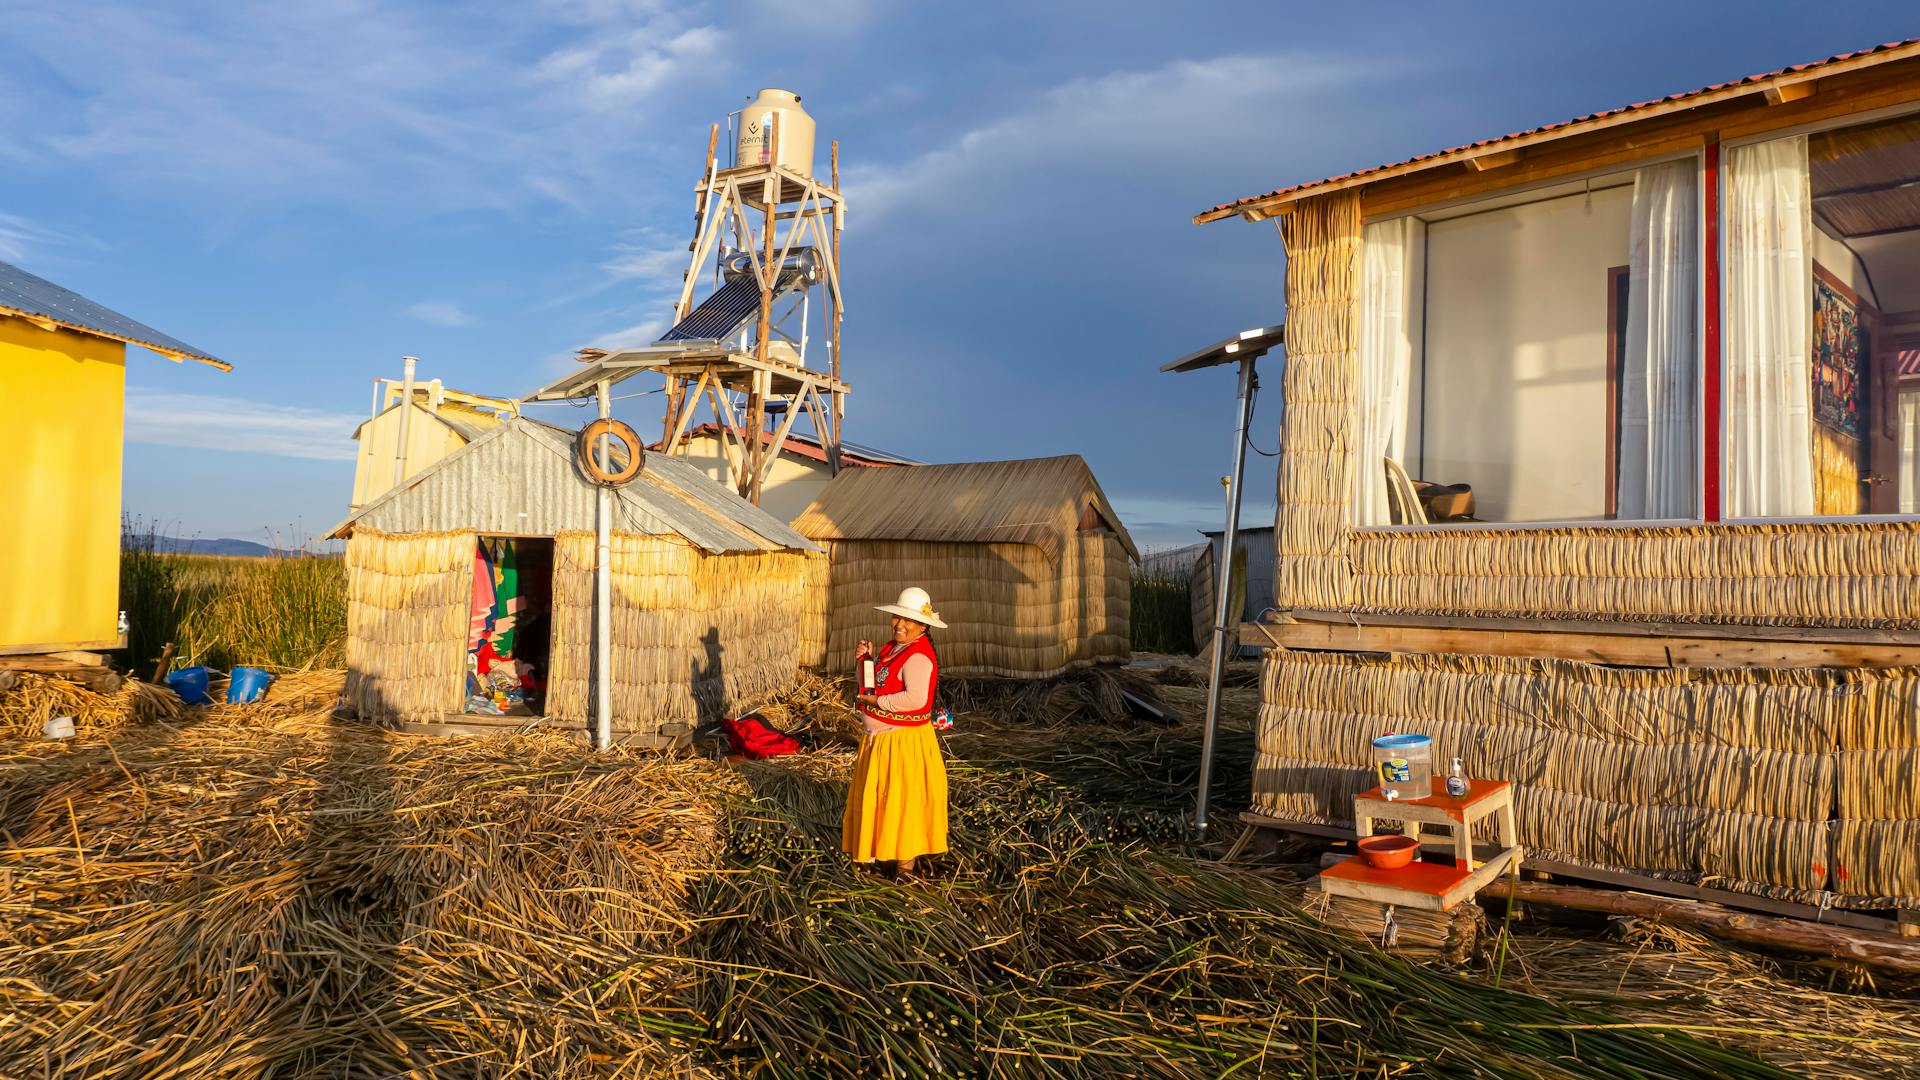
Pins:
<point x="765" y="270"/>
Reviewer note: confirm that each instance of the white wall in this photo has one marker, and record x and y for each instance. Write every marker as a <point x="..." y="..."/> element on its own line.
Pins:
<point x="1839" y="260"/>
<point x="1515" y="373"/>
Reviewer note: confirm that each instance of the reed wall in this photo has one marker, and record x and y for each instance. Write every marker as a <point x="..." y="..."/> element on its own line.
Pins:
<point x="1322" y="238"/>
<point x="1011" y="611"/>
<point x="695" y="636"/>
<point x="1794" y="783"/>
<point x="407" y="598"/>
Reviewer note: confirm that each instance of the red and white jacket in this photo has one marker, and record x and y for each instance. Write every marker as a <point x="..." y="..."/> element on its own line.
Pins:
<point x="904" y="678"/>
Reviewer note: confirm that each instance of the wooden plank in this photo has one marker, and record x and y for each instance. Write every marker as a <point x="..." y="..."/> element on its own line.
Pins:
<point x="1783" y="93"/>
<point x="1609" y="646"/>
<point x="1496" y="160"/>
<point x="1424" y="886"/>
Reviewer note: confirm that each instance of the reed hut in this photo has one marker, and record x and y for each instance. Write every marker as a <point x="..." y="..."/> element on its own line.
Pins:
<point x="1673" y="351"/>
<point x="1030" y="567"/>
<point x="483" y="563"/>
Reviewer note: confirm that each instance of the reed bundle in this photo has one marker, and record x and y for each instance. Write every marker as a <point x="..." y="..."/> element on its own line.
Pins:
<point x="1449" y="937"/>
<point x="1840" y="574"/>
<point x="1086" y="695"/>
<point x="1012" y="610"/>
<point x="35" y="699"/>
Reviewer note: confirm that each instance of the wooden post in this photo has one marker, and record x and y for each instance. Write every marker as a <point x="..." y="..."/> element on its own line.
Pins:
<point x="832" y="437"/>
<point x="756" y="397"/>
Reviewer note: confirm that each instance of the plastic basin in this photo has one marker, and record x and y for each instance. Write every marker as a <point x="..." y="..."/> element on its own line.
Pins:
<point x="1388" y="852"/>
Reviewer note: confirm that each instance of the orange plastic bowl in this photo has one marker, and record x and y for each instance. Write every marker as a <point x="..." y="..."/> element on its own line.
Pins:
<point x="1388" y="852"/>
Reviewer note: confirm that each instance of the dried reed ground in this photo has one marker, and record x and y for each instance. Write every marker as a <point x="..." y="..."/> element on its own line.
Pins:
<point x="264" y="893"/>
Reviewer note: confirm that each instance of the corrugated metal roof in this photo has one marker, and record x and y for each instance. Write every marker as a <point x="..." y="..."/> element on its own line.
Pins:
<point x="521" y="478"/>
<point x="1031" y="501"/>
<point x="29" y="294"/>
<point x="1561" y="129"/>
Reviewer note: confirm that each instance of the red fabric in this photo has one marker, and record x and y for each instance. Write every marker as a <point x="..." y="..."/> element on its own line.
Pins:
<point x="887" y="671"/>
<point x="751" y="737"/>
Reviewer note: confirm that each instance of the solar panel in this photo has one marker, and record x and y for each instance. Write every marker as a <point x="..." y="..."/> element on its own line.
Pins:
<point x="721" y="315"/>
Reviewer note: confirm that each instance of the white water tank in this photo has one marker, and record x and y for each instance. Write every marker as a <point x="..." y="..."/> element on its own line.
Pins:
<point x="776" y="118"/>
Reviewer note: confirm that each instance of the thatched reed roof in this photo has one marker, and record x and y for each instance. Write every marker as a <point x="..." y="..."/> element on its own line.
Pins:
<point x="521" y="479"/>
<point x="1039" y="501"/>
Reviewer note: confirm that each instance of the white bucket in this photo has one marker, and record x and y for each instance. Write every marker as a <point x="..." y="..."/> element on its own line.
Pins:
<point x="60" y="727"/>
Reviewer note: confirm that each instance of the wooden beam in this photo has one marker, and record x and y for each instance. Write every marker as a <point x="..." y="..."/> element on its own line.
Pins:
<point x="1780" y="93"/>
<point x="53" y="647"/>
<point x="1496" y="160"/>
<point x="1630" y="649"/>
<point x="1881" y="952"/>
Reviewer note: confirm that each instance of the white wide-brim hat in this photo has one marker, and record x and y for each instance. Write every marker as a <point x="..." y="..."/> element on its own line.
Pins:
<point x="915" y="604"/>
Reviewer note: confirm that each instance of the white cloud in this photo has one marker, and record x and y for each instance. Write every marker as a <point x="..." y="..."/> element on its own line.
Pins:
<point x="438" y="313"/>
<point x="645" y="256"/>
<point x="623" y="72"/>
<point x="20" y="237"/>
<point x="632" y="337"/>
<point x="1103" y="130"/>
<point x="238" y="425"/>
<point x="356" y="100"/>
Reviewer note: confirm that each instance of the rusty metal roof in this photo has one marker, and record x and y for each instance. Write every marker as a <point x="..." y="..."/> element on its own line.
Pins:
<point x="1893" y="50"/>
<point x="36" y="298"/>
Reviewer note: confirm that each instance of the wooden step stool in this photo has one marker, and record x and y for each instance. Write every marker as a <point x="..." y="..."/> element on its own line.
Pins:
<point x="1423" y="885"/>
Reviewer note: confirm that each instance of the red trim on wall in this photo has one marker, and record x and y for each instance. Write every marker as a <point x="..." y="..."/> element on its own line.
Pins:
<point x="1710" y="350"/>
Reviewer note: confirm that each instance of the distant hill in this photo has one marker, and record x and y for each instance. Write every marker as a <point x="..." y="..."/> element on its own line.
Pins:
<point x="225" y="545"/>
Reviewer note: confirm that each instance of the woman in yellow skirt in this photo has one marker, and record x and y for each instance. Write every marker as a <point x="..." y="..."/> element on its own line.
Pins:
<point x="897" y="799"/>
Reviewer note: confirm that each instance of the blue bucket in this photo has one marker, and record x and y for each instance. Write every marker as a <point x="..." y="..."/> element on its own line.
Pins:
<point x="191" y="684"/>
<point x="247" y="685"/>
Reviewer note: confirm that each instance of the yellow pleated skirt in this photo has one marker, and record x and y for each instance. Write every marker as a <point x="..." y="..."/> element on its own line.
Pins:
<point x="897" y="798"/>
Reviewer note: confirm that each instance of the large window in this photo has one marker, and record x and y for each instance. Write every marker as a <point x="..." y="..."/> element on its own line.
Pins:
<point x="1534" y="358"/>
<point x="1822" y="328"/>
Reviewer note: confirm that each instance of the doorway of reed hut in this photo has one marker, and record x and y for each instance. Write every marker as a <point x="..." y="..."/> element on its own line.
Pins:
<point x="510" y="627"/>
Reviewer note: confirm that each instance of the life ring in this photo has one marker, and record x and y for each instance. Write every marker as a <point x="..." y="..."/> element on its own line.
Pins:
<point x="589" y="460"/>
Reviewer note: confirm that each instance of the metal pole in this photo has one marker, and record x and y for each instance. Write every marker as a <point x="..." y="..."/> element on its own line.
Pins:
<point x="603" y="592"/>
<point x="1224" y="596"/>
<point x="406" y="414"/>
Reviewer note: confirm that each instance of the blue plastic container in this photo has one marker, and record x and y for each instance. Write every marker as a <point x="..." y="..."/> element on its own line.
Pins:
<point x="247" y="684"/>
<point x="191" y="684"/>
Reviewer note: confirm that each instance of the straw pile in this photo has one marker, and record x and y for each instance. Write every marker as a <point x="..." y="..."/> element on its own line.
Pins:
<point x="1086" y="696"/>
<point x="248" y="896"/>
<point x="1773" y="781"/>
<point x="287" y="896"/>
<point x="1011" y="610"/>
<point x="695" y="635"/>
<point x="33" y="700"/>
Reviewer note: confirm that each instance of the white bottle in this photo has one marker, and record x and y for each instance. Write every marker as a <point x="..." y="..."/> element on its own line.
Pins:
<point x="1457" y="781"/>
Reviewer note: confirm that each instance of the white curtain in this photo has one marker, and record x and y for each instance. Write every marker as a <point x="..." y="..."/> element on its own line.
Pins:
<point x="1387" y="282"/>
<point x="1767" y="331"/>
<point x="1910" y="452"/>
<point x="1656" y="459"/>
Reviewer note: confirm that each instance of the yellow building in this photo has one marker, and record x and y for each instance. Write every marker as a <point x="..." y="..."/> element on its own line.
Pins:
<point x="439" y="422"/>
<point x="63" y="379"/>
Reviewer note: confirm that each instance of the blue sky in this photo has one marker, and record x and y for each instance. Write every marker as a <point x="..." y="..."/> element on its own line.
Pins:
<point x="312" y="190"/>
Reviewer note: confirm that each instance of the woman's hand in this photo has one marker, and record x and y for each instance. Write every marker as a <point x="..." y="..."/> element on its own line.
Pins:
<point x="870" y="700"/>
<point x="863" y="650"/>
